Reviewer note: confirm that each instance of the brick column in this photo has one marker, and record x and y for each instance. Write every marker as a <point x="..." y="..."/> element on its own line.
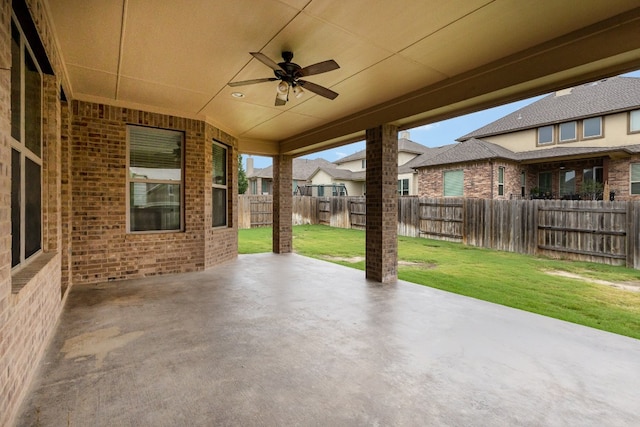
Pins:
<point x="282" y="203"/>
<point x="382" y="204"/>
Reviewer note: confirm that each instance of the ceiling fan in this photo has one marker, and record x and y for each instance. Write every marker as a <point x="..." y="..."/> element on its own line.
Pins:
<point x="290" y="75"/>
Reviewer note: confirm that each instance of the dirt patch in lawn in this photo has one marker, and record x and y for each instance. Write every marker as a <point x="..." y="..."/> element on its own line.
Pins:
<point x="355" y="259"/>
<point x="627" y="286"/>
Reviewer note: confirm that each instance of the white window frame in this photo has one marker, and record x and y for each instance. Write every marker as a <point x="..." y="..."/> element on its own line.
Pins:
<point x="145" y="181"/>
<point x="599" y="135"/>
<point x="552" y="135"/>
<point x="634" y="121"/>
<point x="566" y="126"/>
<point x="501" y="171"/>
<point x="402" y="190"/>
<point x="223" y="186"/>
<point x="24" y="152"/>
<point x="634" y="178"/>
<point x="444" y="183"/>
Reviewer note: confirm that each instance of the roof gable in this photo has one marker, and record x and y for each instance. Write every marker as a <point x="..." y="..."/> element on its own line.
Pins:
<point x="466" y="151"/>
<point x="404" y="146"/>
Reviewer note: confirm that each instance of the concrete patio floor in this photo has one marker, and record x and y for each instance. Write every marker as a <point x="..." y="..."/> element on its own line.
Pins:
<point x="283" y="340"/>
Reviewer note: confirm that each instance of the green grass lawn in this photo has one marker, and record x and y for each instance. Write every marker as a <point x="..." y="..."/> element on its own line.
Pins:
<point x="504" y="278"/>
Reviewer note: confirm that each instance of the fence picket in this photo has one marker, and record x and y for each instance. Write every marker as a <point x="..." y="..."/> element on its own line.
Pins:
<point x="597" y="231"/>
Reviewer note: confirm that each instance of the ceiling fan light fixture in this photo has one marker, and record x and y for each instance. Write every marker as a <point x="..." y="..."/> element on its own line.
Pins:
<point x="298" y="92"/>
<point x="283" y="91"/>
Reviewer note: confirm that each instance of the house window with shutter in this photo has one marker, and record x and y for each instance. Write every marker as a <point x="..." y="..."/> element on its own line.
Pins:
<point x="154" y="187"/>
<point x="453" y="183"/>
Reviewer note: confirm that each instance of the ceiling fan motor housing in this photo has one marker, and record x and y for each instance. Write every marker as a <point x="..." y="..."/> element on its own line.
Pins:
<point x="290" y="70"/>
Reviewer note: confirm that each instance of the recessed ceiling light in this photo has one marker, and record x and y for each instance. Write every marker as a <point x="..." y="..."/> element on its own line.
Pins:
<point x="237" y="94"/>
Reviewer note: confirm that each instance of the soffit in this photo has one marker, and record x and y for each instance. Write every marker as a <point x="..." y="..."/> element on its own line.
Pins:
<point x="179" y="56"/>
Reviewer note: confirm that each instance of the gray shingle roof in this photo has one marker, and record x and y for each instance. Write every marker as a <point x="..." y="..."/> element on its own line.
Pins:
<point x="344" y="174"/>
<point x="467" y="151"/>
<point x="404" y="146"/>
<point x="592" y="99"/>
<point x="302" y="169"/>
<point x="477" y="150"/>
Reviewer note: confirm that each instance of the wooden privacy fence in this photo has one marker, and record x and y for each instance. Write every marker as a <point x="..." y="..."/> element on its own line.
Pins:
<point x="597" y="231"/>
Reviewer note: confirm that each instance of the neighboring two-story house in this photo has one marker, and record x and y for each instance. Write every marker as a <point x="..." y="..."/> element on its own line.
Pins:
<point x="350" y="171"/>
<point x="580" y="142"/>
<point x="261" y="180"/>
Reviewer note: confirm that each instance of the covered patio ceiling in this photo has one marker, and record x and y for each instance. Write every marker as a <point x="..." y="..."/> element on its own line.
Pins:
<point x="404" y="62"/>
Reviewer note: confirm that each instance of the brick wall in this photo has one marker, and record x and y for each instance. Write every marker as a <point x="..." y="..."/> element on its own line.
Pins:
<point x="102" y="248"/>
<point x="282" y="204"/>
<point x="221" y="244"/>
<point x="30" y="298"/>
<point x="619" y="177"/>
<point x="477" y="180"/>
<point x="382" y="204"/>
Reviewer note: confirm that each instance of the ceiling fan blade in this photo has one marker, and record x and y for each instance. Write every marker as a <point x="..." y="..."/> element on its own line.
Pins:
<point x="253" y="81"/>
<point x="279" y="102"/>
<point x="320" y="67"/>
<point x="266" y="61"/>
<point x="317" y="89"/>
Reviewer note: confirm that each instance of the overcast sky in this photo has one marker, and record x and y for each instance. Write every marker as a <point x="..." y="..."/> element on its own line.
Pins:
<point x="433" y="135"/>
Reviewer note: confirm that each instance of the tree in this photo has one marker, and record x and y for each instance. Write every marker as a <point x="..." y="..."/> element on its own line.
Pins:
<point x="243" y="184"/>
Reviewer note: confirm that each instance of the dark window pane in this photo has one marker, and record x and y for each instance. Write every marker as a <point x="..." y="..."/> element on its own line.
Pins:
<point x="15" y="208"/>
<point x="219" y="197"/>
<point x="544" y="182"/>
<point x="545" y="135"/>
<point x="33" y="208"/>
<point x="155" y="154"/>
<point x="592" y="127"/>
<point x="32" y="106"/>
<point x="15" y="83"/>
<point x="154" y="206"/>
<point x="219" y="165"/>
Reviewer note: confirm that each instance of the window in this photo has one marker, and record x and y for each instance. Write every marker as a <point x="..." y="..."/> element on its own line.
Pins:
<point x="155" y="179"/>
<point x="501" y="181"/>
<point x="634" y="121"/>
<point x="568" y="131"/>
<point x="592" y="128"/>
<point x="26" y="150"/>
<point x="266" y="186"/>
<point x="544" y="182"/>
<point x="567" y="182"/>
<point x="219" y="185"/>
<point x="635" y="178"/>
<point x="545" y="135"/>
<point x="403" y="187"/>
<point x="253" y="187"/>
<point x="593" y="174"/>
<point x="523" y="183"/>
<point x="364" y="163"/>
<point x="453" y="183"/>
